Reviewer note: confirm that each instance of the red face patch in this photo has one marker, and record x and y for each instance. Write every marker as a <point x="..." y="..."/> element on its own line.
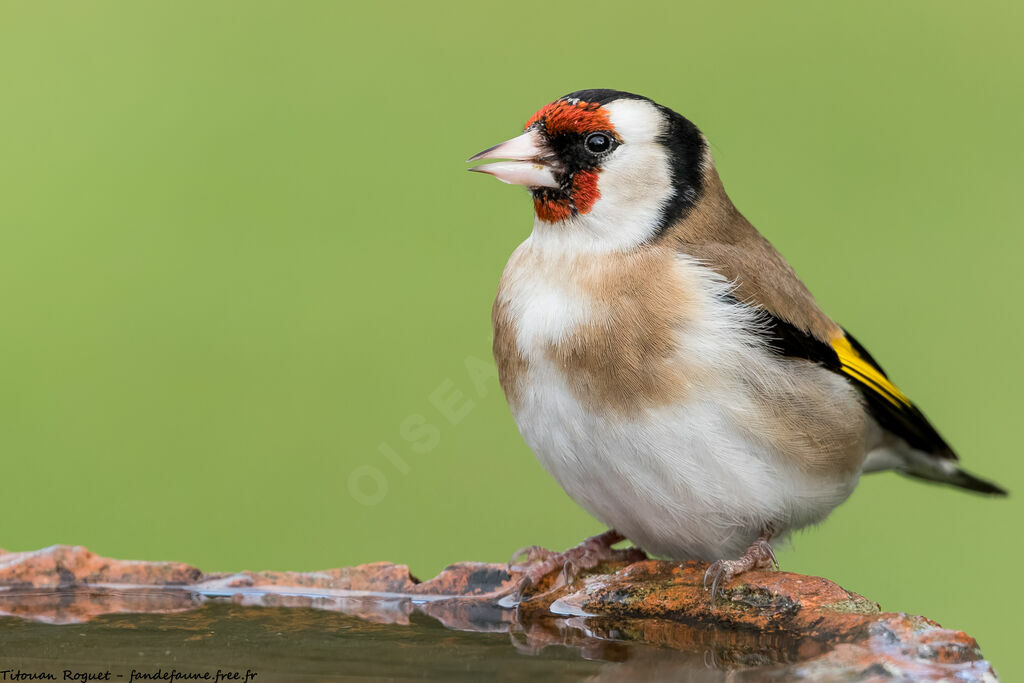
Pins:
<point x="584" y="190"/>
<point x="571" y="117"/>
<point x="552" y="210"/>
<point x="564" y="116"/>
<point x="584" y="194"/>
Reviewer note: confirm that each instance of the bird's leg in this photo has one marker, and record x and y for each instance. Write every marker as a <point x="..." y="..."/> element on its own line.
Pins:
<point x="597" y="549"/>
<point x="758" y="556"/>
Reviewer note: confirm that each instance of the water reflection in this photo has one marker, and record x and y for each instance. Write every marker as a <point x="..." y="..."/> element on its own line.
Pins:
<point x="353" y="634"/>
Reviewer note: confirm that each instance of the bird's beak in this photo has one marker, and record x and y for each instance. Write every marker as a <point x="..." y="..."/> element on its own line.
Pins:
<point x="532" y="165"/>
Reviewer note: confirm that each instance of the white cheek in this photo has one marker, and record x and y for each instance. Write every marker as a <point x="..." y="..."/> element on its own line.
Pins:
<point x="635" y="185"/>
<point x="636" y="120"/>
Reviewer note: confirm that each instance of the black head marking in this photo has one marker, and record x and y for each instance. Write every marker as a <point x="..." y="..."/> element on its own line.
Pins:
<point x="602" y="96"/>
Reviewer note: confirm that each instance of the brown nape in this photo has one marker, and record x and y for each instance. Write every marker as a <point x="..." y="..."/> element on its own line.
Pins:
<point x="715" y="232"/>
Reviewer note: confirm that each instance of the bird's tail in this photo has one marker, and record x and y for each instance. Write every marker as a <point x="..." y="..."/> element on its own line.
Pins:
<point x="920" y="465"/>
<point x="958" y="478"/>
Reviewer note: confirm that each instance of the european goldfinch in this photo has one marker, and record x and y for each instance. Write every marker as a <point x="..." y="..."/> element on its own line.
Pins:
<point x="665" y="363"/>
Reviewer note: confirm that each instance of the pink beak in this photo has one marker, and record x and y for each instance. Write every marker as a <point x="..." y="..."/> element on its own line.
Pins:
<point x="531" y="163"/>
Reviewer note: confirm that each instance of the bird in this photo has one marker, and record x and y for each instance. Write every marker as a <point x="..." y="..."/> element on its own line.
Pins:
<point x="665" y="363"/>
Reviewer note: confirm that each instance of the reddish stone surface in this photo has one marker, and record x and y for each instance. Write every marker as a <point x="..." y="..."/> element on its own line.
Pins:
<point x="62" y="565"/>
<point x="777" y="625"/>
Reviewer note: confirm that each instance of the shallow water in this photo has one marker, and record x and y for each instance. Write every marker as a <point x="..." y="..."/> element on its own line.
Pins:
<point x="71" y="634"/>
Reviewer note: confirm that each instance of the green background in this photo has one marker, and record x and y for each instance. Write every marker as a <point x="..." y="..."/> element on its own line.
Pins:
<point x="239" y="252"/>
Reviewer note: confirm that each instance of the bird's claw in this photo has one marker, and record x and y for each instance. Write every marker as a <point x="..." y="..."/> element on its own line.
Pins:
<point x="533" y="577"/>
<point x="541" y="563"/>
<point x="529" y="554"/>
<point x="718" y="572"/>
<point x="759" y="555"/>
<point x="767" y="555"/>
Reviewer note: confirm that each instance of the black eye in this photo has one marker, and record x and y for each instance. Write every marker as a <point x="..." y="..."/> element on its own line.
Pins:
<point x="598" y="143"/>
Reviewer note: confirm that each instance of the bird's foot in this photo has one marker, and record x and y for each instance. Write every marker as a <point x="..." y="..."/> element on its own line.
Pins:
<point x="758" y="556"/>
<point x="540" y="563"/>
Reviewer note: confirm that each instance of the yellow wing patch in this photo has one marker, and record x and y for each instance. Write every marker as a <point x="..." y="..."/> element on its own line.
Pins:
<point x="854" y="365"/>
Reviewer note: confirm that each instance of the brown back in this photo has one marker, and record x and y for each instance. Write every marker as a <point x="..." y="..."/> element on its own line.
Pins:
<point x="715" y="232"/>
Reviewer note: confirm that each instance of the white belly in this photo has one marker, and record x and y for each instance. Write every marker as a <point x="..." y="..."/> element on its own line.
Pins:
<point x="680" y="482"/>
<point x="684" y="480"/>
